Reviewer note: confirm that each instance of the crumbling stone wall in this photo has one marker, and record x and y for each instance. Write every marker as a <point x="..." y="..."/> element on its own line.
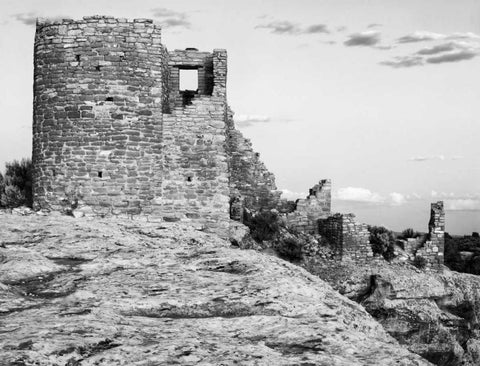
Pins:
<point x="431" y="246"/>
<point x="434" y="247"/>
<point x="252" y="185"/>
<point x="348" y="238"/>
<point x="308" y="211"/>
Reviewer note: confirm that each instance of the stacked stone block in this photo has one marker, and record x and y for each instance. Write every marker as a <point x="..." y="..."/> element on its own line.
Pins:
<point x="196" y="176"/>
<point x="349" y="239"/>
<point x="252" y="186"/>
<point x="191" y="59"/>
<point x="97" y="131"/>
<point x="309" y="210"/>
<point x="434" y="247"/>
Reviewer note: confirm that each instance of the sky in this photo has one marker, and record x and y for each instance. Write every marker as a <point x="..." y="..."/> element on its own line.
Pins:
<point x="380" y="96"/>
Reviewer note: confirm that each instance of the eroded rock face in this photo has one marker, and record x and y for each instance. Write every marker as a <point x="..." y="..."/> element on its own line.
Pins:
<point x="434" y="314"/>
<point x="92" y="292"/>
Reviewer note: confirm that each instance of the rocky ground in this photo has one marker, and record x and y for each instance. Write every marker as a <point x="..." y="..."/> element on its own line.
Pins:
<point x="111" y="292"/>
<point x="434" y="314"/>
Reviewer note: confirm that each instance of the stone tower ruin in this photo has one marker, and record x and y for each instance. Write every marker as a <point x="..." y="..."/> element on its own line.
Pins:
<point x="114" y="133"/>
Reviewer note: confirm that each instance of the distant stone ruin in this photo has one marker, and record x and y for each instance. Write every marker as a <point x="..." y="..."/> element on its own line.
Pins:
<point x="308" y="211"/>
<point x="432" y="246"/>
<point x="351" y="240"/>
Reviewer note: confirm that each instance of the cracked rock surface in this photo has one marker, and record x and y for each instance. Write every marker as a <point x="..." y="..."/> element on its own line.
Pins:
<point x="113" y="292"/>
<point x="436" y="314"/>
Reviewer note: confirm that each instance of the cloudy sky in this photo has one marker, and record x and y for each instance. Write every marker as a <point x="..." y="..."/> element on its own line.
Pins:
<point x="381" y="96"/>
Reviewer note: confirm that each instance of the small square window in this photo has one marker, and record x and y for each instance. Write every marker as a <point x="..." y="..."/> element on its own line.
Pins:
<point x="188" y="79"/>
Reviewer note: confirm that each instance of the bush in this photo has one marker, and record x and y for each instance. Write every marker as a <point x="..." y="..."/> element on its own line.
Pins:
<point x="290" y="249"/>
<point x="409" y="233"/>
<point x="420" y="262"/>
<point x="263" y="226"/>
<point x="382" y="241"/>
<point x="16" y="184"/>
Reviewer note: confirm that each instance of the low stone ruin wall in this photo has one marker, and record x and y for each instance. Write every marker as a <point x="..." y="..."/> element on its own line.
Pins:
<point x="307" y="211"/>
<point x="349" y="238"/>
<point x="430" y="247"/>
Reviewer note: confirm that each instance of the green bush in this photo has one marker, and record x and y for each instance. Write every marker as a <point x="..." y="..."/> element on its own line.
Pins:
<point x="409" y="233"/>
<point x="382" y="241"/>
<point x="16" y="184"/>
<point x="263" y="226"/>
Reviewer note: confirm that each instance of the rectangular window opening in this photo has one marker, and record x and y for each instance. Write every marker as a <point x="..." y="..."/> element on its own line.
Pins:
<point x="188" y="79"/>
<point x="100" y="174"/>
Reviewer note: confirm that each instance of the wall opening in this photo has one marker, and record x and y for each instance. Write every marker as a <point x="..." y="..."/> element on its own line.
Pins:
<point x="77" y="58"/>
<point x="189" y="179"/>
<point x="100" y="174"/>
<point x="188" y="79"/>
<point x="109" y="99"/>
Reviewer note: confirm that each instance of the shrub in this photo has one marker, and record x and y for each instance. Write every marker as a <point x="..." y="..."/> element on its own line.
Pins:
<point x="382" y="241"/>
<point x="16" y="184"/>
<point x="2" y="186"/>
<point x="290" y="249"/>
<point x="409" y="233"/>
<point x="263" y="226"/>
<point x="420" y="262"/>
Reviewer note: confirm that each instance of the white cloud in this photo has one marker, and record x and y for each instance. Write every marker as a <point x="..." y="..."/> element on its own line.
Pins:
<point x="426" y="158"/>
<point x="462" y="204"/>
<point x="397" y="199"/>
<point x="366" y="196"/>
<point x="436" y="194"/>
<point x="246" y="120"/>
<point x="359" y="194"/>
<point x="413" y="196"/>
<point x="290" y="195"/>
<point x="420" y="36"/>
<point x="252" y="118"/>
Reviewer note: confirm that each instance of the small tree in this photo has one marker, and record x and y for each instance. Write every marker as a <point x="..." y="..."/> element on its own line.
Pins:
<point x="382" y="241"/>
<point x="263" y="226"/>
<point x="420" y="262"/>
<point x="409" y="233"/>
<point x="290" y="248"/>
<point x="16" y="184"/>
<point x="2" y="186"/>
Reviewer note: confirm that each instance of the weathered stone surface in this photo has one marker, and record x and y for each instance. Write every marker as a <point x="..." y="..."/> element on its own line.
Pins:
<point x="115" y="292"/>
<point x="435" y="314"/>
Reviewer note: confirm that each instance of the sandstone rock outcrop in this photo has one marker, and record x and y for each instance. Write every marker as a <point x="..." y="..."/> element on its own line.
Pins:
<point x="434" y="314"/>
<point x="95" y="292"/>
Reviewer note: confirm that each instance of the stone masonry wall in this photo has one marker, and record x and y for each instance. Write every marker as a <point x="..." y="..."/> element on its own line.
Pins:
<point x="97" y="128"/>
<point x="190" y="60"/>
<point x="252" y="185"/>
<point x="316" y="206"/>
<point x="348" y="238"/>
<point x="431" y="246"/>
<point x="114" y="134"/>
<point x="195" y="181"/>
<point x="434" y="248"/>
<point x="196" y="175"/>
